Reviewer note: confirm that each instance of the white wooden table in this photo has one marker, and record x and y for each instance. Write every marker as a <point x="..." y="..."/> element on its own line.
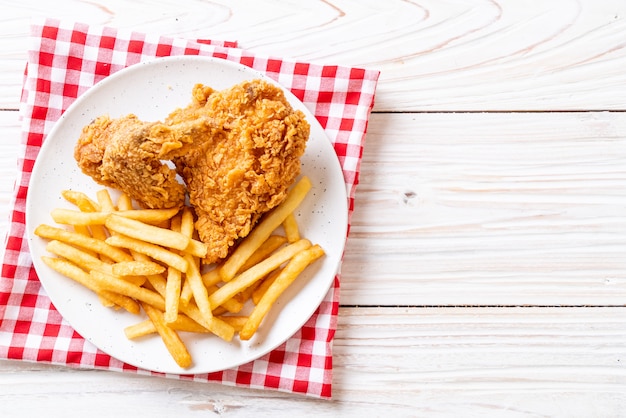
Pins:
<point x="485" y="274"/>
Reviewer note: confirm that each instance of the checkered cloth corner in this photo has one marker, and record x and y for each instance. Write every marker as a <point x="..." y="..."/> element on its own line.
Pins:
<point x="66" y="59"/>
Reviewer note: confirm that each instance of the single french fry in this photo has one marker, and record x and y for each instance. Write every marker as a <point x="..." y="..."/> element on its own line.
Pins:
<point x="248" y="277"/>
<point x="105" y="200"/>
<point x="73" y="238"/>
<point x="148" y="216"/>
<point x="186" y="222"/>
<point x="172" y="294"/>
<point x="174" y="281"/>
<point x="148" y="233"/>
<point x="232" y="305"/>
<point x="119" y="285"/>
<point x="158" y="253"/>
<point x="290" y="225"/>
<point x="124" y="202"/>
<point x="182" y="323"/>
<point x="291" y="271"/>
<point x="140" y="329"/>
<point x="213" y="324"/>
<point x="264" y="285"/>
<point x="197" y="248"/>
<point x="172" y="341"/>
<point x="186" y="292"/>
<point x="246" y="294"/>
<point x="80" y="257"/>
<point x="264" y="229"/>
<point x="136" y="268"/>
<point x="77" y="274"/>
<point x="200" y="293"/>
<point x="75" y="217"/>
<point x="211" y="277"/>
<point x="80" y="200"/>
<point x="236" y="321"/>
<point x="271" y="244"/>
<point x="83" y="230"/>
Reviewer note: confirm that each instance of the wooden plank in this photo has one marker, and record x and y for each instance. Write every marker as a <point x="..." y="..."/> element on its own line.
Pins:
<point x="478" y="209"/>
<point x="434" y="56"/>
<point x="388" y="361"/>
<point x="490" y="209"/>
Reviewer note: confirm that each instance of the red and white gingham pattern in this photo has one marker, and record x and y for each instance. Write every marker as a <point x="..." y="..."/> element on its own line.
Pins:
<point x="64" y="61"/>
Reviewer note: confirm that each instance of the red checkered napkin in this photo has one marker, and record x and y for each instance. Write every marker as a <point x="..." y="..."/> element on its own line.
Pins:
<point x="64" y="61"/>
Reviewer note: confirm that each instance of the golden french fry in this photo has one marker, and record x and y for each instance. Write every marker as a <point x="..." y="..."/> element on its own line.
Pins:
<point x="172" y="341"/>
<point x="232" y="305"/>
<point x="200" y="293"/>
<point x="213" y="324"/>
<point x="172" y="294"/>
<point x="140" y="329"/>
<point x="148" y="216"/>
<point x="182" y="323"/>
<point x="264" y="285"/>
<point x="73" y="238"/>
<point x="83" y="230"/>
<point x="290" y="225"/>
<point x="74" y="217"/>
<point x="264" y="229"/>
<point x="136" y="268"/>
<point x="156" y="252"/>
<point x="211" y="277"/>
<point x="235" y="321"/>
<point x="105" y="201"/>
<point x="121" y="286"/>
<point x="291" y="271"/>
<point x="271" y="244"/>
<point x="257" y="272"/>
<point x="186" y="222"/>
<point x="197" y="248"/>
<point x="80" y="257"/>
<point x="77" y="274"/>
<point x="124" y="202"/>
<point x="174" y="281"/>
<point x="148" y="233"/>
<point x="81" y="201"/>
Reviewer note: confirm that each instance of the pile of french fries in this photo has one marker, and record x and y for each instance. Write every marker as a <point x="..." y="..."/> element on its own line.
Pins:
<point x="152" y="260"/>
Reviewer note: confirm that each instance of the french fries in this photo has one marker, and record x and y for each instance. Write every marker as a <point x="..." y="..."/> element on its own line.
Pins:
<point x="151" y="260"/>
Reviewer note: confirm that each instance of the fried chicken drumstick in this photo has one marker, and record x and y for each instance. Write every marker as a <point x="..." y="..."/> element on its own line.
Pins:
<point x="237" y="150"/>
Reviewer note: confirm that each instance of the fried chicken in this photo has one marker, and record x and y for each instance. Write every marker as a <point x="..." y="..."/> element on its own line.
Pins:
<point x="244" y="168"/>
<point x="237" y="150"/>
<point x="119" y="153"/>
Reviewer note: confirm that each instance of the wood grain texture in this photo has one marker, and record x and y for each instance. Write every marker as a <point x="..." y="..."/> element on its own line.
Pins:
<point x="388" y="362"/>
<point x="490" y="209"/>
<point x="434" y="56"/>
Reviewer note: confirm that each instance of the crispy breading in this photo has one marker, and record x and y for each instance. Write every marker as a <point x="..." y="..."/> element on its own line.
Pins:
<point x="116" y="153"/>
<point x="237" y="150"/>
<point x="246" y="166"/>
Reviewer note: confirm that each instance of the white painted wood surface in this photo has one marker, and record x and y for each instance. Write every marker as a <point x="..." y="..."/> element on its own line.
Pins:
<point x="485" y="274"/>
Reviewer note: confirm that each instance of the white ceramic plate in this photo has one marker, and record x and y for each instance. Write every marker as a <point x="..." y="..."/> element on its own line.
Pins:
<point x="151" y="90"/>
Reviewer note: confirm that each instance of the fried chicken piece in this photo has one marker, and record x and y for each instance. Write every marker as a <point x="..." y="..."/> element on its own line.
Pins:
<point x="121" y="153"/>
<point x="245" y="166"/>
